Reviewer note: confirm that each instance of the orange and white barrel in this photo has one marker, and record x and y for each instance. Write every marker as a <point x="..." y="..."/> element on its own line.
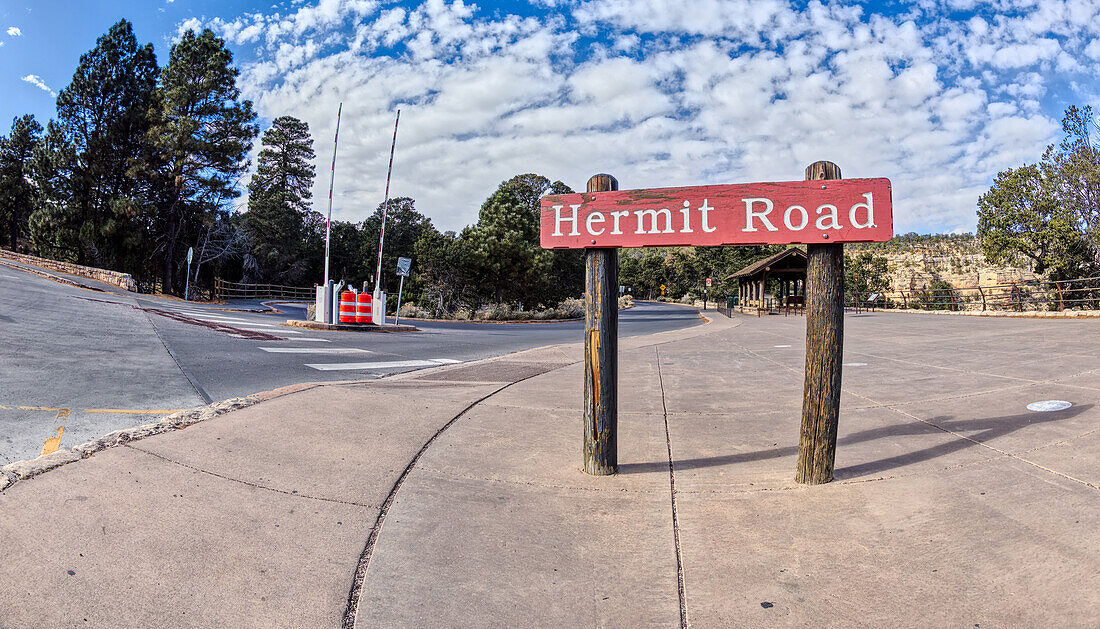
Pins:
<point x="347" y="307"/>
<point x="364" y="312"/>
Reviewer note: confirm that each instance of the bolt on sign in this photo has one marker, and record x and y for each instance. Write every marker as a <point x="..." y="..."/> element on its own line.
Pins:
<point x="788" y="212"/>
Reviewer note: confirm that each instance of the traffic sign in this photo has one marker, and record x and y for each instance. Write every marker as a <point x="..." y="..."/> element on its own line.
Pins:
<point x="403" y="266"/>
<point x="708" y="282"/>
<point x="813" y="212"/>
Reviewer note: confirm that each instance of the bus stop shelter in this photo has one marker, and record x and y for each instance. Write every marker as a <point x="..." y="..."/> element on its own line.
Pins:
<point x="788" y="267"/>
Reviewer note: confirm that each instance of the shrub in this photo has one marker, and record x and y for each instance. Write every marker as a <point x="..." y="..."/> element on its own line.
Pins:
<point x="410" y="310"/>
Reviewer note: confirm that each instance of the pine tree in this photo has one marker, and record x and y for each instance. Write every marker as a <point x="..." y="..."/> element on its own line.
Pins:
<point x="16" y="192"/>
<point x="202" y="134"/>
<point x="54" y="225"/>
<point x="279" y="200"/>
<point x="504" y="248"/>
<point x="105" y="111"/>
<point x="404" y="226"/>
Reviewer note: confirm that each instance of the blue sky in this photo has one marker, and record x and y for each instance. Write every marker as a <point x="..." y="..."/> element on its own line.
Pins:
<point x="938" y="95"/>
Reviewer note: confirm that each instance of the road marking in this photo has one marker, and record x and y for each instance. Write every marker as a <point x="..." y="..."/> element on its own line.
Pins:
<point x="315" y="350"/>
<point x="130" y="411"/>
<point x="312" y="339"/>
<point x="268" y="330"/>
<point x="120" y="411"/>
<point x="50" y="445"/>
<point x="223" y="319"/>
<point x="432" y="362"/>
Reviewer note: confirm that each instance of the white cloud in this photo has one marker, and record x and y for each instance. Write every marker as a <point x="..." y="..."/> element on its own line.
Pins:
<point x="662" y="94"/>
<point x="36" y="81"/>
<point x="13" y="31"/>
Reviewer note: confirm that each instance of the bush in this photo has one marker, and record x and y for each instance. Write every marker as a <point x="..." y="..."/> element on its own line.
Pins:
<point x="410" y="310"/>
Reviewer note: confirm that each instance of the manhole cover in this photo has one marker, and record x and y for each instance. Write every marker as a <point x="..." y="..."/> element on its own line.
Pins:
<point x="1049" y="405"/>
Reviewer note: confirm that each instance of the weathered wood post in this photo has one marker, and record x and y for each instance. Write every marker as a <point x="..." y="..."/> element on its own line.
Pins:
<point x="601" y="348"/>
<point x="824" y="351"/>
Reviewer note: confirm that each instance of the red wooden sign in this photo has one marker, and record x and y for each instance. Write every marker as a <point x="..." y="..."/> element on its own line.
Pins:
<point x="788" y="212"/>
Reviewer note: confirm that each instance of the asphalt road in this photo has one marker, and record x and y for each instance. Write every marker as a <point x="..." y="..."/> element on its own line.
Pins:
<point x="76" y="363"/>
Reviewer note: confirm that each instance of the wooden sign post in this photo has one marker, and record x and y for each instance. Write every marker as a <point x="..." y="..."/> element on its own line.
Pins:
<point x="601" y="351"/>
<point x="821" y="211"/>
<point x="824" y="352"/>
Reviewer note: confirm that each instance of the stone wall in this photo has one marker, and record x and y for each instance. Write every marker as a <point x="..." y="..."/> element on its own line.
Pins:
<point x="122" y="280"/>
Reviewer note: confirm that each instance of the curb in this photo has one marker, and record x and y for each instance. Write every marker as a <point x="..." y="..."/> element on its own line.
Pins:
<point x="347" y="327"/>
<point x="22" y="470"/>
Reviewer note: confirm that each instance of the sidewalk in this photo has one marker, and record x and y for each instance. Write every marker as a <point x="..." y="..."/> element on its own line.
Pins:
<point x="953" y="504"/>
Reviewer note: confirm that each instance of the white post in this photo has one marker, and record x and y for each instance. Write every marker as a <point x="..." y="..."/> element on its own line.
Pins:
<point x="332" y="178"/>
<point x="385" y="208"/>
<point x="397" y="315"/>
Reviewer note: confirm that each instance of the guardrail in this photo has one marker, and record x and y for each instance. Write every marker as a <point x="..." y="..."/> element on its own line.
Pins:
<point x="239" y="290"/>
<point x="1034" y="296"/>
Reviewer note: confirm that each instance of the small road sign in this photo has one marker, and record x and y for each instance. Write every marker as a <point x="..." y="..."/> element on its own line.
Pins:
<point x="403" y="266"/>
<point x="708" y="282"/>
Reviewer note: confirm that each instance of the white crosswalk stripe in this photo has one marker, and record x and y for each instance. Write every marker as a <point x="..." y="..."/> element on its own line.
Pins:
<point x="218" y="319"/>
<point x="315" y="350"/>
<point x="432" y="362"/>
<point x="312" y="339"/>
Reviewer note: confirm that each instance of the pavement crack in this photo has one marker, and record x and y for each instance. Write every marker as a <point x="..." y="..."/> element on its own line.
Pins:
<point x="206" y="399"/>
<point x="355" y="593"/>
<point x="672" y="491"/>
<point x="294" y="494"/>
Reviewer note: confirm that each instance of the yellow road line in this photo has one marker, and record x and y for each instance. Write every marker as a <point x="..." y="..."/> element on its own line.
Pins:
<point x="130" y="411"/>
<point x="53" y="444"/>
<point x="119" y="411"/>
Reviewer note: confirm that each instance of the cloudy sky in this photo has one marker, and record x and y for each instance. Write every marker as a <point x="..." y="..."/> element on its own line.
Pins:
<point x="937" y="95"/>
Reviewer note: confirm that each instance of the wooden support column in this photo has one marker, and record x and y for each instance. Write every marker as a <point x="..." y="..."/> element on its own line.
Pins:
<point x="824" y="351"/>
<point x="601" y="343"/>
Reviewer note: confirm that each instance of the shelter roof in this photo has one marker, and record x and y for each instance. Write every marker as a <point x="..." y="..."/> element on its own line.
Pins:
<point x="793" y="259"/>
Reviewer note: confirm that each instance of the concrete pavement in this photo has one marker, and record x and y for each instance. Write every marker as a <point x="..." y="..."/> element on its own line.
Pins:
<point x="454" y="496"/>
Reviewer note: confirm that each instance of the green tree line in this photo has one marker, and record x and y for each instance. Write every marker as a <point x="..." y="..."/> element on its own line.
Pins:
<point x="143" y="161"/>
<point x="1047" y="215"/>
<point x="140" y="162"/>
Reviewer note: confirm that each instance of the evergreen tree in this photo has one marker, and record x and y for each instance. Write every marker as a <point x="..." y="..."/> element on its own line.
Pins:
<point x="565" y="277"/>
<point x="279" y="201"/>
<point x="444" y="271"/>
<point x="105" y="111"/>
<point x="16" y="192"/>
<point x="202" y="134"/>
<point x="505" y="251"/>
<point x="54" y="225"/>
<point x="404" y="226"/>
<point x="1020" y="219"/>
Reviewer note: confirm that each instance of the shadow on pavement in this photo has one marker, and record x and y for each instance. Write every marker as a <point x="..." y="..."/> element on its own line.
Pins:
<point x="988" y="428"/>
